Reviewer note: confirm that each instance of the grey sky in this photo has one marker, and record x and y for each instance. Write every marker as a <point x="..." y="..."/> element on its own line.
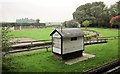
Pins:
<point x="45" y="10"/>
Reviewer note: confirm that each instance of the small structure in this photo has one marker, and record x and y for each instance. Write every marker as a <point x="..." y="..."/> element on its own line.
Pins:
<point x="68" y="43"/>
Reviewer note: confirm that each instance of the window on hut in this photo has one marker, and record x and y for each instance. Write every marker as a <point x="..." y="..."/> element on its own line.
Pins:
<point x="73" y="38"/>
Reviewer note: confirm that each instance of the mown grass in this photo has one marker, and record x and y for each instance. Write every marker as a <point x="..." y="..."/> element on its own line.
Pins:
<point x="37" y="34"/>
<point x="105" y="31"/>
<point x="88" y="35"/>
<point x="44" y="34"/>
<point x="42" y="61"/>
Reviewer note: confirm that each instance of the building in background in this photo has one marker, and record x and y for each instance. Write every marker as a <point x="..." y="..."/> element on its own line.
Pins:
<point x="25" y="20"/>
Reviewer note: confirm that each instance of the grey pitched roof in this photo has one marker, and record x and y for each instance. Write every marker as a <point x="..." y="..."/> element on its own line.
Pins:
<point x="69" y="32"/>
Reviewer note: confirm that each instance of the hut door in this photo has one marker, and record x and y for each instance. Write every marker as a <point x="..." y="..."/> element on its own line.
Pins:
<point x="57" y="43"/>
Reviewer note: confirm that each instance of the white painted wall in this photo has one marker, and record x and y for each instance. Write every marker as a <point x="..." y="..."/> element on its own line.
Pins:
<point x="56" y="34"/>
<point x="72" y="46"/>
<point x="57" y="50"/>
<point x="68" y="45"/>
<point x="56" y="43"/>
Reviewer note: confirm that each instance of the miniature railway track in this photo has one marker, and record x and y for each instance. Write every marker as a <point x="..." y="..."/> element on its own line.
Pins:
<point x="108" y="68"/>
<point x="110" y="38"/>
<point x="30" y="49"/>
<point x="90" y="42"/>
<point x="112" y="67"/>
<point x="29" y="46"/>
<point x="35" y="45"/>
<point x="40" y="44"/>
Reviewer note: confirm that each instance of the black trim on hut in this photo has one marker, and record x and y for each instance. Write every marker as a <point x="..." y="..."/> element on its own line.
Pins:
<point x="68" y="33"/>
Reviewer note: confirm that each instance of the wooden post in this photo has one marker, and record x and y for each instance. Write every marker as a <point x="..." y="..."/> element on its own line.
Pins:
<point x="20" y="28"/>
<point x="84" y="39"/>
<point x="29" y="46"/>
<point x="90" y="40"/>
<point x="47" y="49"/>
<point x="97" y="39"/>
<point x="31" y="43"/>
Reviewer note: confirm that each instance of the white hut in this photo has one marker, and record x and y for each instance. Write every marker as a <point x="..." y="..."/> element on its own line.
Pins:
<point x="68" y="43"/>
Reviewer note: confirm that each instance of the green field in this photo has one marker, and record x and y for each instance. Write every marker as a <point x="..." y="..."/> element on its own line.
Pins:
<point x="44" y="34"/>
<point x="106" y="32"/>
<point x="42" y="61"/>
<point x="37" y="34"/>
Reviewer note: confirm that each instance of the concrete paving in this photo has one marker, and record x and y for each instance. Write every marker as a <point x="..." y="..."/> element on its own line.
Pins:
<point x="85" y="56"/>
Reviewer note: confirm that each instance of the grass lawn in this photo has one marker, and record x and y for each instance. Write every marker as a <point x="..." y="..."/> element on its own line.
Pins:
<point x="44" y="34"/>
<point x="42" y="61"/>
<point x="88" y="35"/>
<point x="105" y="31"/>
<point x="37" y="34"/>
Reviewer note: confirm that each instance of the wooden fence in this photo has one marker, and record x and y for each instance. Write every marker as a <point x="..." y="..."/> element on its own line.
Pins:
<point x="29" y="44"/>
<point x="33" y="45"/>
<point x="110" y="37"/>
<point x="97" y="41"/>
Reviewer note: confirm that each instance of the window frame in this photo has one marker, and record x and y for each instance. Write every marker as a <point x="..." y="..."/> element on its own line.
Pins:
<point x="73" y="38"/>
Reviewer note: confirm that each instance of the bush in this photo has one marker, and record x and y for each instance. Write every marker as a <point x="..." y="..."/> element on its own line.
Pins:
<point x="115" y="20"/>
<point x="86" y="23"/>
<point x="6" y="38"/>
<point x="71" y="24"/>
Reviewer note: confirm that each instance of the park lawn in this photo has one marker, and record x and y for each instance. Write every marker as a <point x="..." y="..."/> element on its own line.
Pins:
<point x="44" y="34"/>
<point x="37" y="34"/>
<point x="105" y="31"/>
<point x="89" y="35"/>
<point x="42" y="61"/>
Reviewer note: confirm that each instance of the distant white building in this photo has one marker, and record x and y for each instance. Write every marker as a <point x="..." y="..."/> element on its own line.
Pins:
<point x="54" y="23"/>
<point x="25" y="20"/>
<point x="68" y="43"/>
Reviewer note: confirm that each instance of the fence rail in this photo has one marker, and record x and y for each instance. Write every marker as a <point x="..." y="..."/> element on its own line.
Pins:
<point x="97" y="41"/>
<point x="32" y="45"/>
<point x="47" y="43"/>
<point x="30" y="41"/>
<point x="29" y="45"/>
<point x="110" y="37"/>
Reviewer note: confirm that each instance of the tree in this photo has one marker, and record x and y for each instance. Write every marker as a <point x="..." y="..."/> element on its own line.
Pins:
<point x="86" y="23"/>
<point x="37" y="20"/>
<point x="113" y="10"/>
<point x="71" y="24"/>
<point x="115" y="20"/>
<point x="97" y="12"/>
<point x="6" y="38"/>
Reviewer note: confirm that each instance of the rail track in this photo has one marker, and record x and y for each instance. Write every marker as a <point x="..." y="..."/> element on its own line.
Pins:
<point x="40" y="44"/>
<point x="36" y="45"/>
<point x="112" y="67"/>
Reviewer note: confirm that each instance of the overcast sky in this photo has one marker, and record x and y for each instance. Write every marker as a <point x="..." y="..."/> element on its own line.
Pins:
<point x="45" y="10"/>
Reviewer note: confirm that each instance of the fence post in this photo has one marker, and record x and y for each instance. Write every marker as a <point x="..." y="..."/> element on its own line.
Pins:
<point x="47" y="49"/>
<point x="29" y="47"/>
<point x="89" y="40"/>
<point x="97" y="39"/>
<point x="31" y="43"/>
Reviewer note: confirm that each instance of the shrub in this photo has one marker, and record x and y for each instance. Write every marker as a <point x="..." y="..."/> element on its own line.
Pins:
<point x="71" y="24"/>
<point x="115" y="20"/>
<point x="86" y="23"/>
<point x="6" y="38"/>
